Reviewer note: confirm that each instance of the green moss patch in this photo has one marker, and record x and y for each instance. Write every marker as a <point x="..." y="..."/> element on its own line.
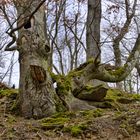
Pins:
<point x="11" y="119"/>
<point x="74" y="123"/>
<point x="115" y="95"/>
<point x="63" y="83"/>
<point x="11" y="105"/>
<point x="135" y="97"/>
<point x="75" y="130"/>
<point x="117" y="72"/>
<point x="53" y="123"/>
<point x="92" y="113"/>
<point x="12" y="93"/>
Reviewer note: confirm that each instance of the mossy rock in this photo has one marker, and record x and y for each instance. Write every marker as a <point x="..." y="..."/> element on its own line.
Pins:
<point x="91" y="93"/>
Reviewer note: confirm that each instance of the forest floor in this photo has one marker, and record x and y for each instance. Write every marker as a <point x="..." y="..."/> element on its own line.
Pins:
<point x="116" y="118"/>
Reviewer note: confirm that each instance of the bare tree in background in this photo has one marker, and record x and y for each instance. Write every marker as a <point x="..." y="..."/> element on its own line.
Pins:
<point x="121" y="31"/>
<point x="66" y="35"/>
<point x="93" y="29"/>
<point x="1" y="65"/>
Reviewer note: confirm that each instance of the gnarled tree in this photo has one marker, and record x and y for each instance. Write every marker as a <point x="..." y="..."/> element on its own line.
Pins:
<point x="37" y="97"/>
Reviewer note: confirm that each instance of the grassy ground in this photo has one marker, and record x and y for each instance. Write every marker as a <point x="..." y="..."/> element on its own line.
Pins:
<point x="116" y="118"/>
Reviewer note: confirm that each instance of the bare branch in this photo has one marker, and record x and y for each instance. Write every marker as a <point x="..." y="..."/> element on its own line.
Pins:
<point x="123" y="32"/>
<point x="127" y="8"/>
<point x="121" y="73"/>
<point x="12" y="32"/>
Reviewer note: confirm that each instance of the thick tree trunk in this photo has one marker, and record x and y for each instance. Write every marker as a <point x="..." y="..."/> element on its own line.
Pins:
<point x="36" y="91"/>
<point x="37" y="95"/>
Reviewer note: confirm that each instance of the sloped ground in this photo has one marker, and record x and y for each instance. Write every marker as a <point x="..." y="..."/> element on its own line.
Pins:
<point x="117" y="118"/>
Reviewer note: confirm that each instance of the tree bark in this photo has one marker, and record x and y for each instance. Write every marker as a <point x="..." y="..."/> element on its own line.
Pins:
<point x="93" y="29"/>
<point x="37" y="95"/>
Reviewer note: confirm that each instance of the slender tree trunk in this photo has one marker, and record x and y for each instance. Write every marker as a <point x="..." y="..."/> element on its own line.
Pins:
<point x="76" y="43"/>
<point x="93" y="35"/>
<point x="119" y="37"/>
<point x="93" y="29"/>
